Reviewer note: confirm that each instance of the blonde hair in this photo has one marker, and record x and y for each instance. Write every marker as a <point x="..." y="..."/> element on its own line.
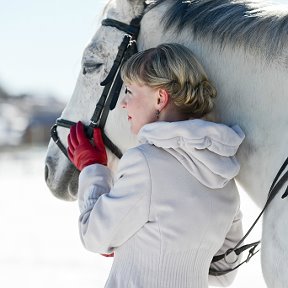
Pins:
<point x="173" y="67"/>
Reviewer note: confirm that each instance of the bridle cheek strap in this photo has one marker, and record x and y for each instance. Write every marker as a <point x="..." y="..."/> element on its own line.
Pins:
<point x="112" y="87"/>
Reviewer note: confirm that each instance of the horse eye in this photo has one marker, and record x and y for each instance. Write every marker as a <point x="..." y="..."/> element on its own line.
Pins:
<point x="90" y="67"/>
<point x="126" y="91"/>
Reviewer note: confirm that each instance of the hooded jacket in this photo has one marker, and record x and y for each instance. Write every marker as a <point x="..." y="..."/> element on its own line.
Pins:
<point x="172" y="206"/>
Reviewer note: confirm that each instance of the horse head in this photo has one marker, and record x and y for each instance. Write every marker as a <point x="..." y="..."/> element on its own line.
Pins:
<point x="60" y="175"/>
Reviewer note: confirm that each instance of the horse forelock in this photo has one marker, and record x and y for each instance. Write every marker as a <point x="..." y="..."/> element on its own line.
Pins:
<point x="248" y="24"/>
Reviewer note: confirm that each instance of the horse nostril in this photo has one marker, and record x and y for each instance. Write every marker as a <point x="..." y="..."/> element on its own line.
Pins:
<point x="46" y="172"/>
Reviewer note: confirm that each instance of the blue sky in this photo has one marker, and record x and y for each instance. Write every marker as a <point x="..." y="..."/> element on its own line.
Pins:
<point x="42" y="42"/>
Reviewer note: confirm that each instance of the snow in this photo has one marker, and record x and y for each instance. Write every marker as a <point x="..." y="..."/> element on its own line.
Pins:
<point x="39" y="243"/>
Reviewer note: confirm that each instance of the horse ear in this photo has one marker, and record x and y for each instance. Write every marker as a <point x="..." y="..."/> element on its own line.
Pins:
<point x="137" y="6"/>
<point x="137" y="2"/>
<point x="125" y="9"/>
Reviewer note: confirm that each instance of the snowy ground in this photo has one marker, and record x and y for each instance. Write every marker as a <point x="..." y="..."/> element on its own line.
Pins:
<point x="39" y="243"/>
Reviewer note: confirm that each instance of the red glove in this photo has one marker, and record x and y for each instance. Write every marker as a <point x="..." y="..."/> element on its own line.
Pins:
<point x="81" y="152"/>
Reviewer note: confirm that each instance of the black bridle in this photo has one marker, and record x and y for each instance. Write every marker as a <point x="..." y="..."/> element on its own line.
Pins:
<point x="277" y="184"/>
<point x="112" y="87"/>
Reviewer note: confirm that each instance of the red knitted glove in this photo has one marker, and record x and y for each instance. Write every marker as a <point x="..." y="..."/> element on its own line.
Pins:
<point x="81" y="152"/>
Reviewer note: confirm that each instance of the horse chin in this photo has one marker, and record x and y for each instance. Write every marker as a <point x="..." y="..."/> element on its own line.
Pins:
<point x="73" y="187"/>
<point x="63" y="184"/>
<point x="68" y="193"/>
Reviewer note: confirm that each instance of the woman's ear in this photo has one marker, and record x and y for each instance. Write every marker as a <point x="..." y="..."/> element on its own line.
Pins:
<point x="162" y="99"/>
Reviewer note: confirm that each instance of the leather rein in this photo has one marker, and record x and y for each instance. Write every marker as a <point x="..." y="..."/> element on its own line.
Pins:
<point x="112" y="87"/>
<point x="273" y="191"/>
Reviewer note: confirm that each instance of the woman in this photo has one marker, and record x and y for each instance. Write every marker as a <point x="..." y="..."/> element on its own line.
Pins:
<point x="173" y="204"/>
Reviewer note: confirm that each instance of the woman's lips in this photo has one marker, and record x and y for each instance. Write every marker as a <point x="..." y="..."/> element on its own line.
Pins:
<point x="129" y="118"/>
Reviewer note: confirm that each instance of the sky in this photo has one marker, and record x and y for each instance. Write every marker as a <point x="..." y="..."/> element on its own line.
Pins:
<point x="42" y="42"/>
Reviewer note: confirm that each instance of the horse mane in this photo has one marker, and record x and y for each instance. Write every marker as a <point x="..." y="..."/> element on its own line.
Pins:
<point x="249" y="24"/>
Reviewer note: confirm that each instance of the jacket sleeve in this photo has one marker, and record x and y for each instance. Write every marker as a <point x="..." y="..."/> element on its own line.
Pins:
<point x="111" y="214"/>
<point x="232" y="238"/>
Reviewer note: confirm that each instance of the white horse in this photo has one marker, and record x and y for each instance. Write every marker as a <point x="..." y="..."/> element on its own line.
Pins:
<point x="244" y="47"/>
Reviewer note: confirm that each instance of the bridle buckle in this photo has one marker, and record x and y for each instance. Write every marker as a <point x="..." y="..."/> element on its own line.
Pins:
<point x="132" y="40"/>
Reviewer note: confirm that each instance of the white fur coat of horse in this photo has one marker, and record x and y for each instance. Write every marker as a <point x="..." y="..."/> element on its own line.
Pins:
<point x="243" y="46"/>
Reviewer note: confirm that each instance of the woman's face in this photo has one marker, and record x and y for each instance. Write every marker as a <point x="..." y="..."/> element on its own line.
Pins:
<point x="141" y="104"/>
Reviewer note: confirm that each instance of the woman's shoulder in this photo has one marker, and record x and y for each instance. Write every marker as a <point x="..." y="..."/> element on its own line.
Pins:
<point x="143" y="150"/>
<point x="133" y="157"/>
<point x="135" y="161"/>
<point x="145" y="153"/>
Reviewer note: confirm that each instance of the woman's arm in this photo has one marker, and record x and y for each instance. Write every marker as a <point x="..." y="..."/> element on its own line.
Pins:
<point x="232" y="238"/>
<point x="110" y="215"/>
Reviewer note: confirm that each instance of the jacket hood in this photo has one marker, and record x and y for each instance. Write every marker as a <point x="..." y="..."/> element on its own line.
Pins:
<point x="206" y="149"/>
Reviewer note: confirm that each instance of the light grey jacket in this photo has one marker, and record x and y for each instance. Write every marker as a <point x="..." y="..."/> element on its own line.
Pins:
<point x="172" y="207"/>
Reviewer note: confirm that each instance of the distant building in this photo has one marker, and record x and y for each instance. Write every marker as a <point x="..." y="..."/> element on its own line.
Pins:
<point x="13" y="122"/>
<point x="38" y="128"/>
<point x="27" y="119"/>
<point x="41" y="118"/>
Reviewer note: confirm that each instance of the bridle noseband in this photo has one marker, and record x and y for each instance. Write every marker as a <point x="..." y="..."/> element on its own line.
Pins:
<point x="112" y="87"/>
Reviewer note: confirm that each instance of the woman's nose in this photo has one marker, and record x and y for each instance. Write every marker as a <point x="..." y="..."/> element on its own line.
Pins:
<point x="124" y="103"/>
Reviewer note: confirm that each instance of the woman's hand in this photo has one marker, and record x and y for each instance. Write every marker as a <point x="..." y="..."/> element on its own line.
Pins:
<point x="83" y="153"/>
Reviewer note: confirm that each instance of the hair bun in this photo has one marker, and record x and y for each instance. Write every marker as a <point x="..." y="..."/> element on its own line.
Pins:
<point x="203" y="93"/>
<point x="206" y="89"/>
<point x="198" y="99"/>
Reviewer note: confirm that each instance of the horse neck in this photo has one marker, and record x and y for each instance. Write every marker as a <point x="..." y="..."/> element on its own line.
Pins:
<point x="244" y="78"/>
<point x="247" y="86"/>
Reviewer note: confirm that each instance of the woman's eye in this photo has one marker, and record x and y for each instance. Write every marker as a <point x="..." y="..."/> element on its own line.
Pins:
<point x="127" y="91"/>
